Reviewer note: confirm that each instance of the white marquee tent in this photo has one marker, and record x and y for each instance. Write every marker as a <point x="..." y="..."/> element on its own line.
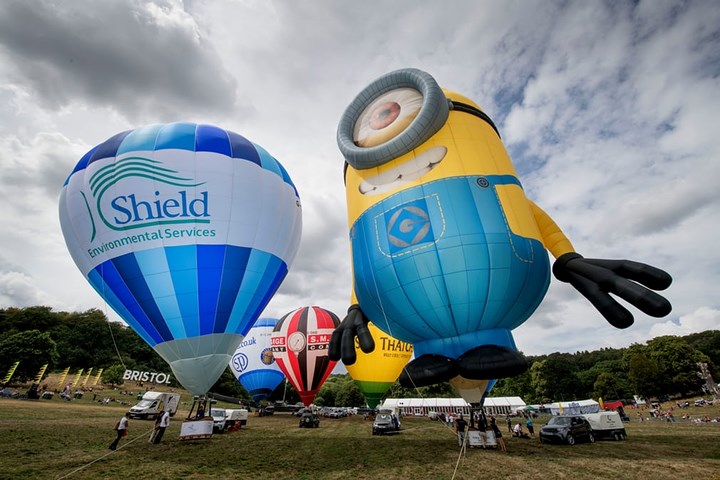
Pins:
<point x="423" y="406"/>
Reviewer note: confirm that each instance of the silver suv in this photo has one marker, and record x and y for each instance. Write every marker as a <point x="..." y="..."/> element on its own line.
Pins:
<point x="566" y="429"/>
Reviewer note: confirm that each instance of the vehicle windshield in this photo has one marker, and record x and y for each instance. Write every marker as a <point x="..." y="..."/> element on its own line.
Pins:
<point x="383" y="417"/>
<point x="145" y="403"/>
<point x="559" y="421"/>
<point x="217" y="413"/>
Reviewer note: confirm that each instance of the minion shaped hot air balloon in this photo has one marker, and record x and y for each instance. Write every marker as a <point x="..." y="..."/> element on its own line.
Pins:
<point x="448" y="253"/>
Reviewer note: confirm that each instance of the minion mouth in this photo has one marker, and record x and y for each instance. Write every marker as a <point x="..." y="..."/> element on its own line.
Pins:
<point x="406" y="172"/>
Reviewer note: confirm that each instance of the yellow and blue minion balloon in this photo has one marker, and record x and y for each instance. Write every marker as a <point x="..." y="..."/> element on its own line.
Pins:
<point x="447" y="251"/>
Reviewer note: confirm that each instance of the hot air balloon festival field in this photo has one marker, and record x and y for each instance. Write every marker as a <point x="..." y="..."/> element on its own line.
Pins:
<point x="56" y="439"/>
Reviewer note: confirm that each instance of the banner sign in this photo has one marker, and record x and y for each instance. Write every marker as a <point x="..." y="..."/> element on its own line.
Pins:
<point x="196" y="429"/>
<point x="475" y="440"/>
<point x="152" y="377"/>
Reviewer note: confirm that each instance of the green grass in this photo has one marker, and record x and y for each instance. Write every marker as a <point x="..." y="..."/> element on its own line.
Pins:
<point x="52" y="439"/>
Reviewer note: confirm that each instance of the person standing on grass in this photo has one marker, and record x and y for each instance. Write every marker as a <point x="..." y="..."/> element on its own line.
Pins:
<point x="156" y="428"/>
<point x="509" y="423"/>
<point x="460" y="428"/>
<point x="121" y="428"/>
<point x="529" y="425"/>
<point x="164" y="423"/>
<point x="498" y="437"/>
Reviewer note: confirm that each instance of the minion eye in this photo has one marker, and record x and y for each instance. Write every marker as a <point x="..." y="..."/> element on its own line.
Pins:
<point x="387" y="116"/>
<point x="390" y="117"/>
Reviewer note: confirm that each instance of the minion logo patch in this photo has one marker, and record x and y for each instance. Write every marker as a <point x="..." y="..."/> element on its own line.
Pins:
<point x="408" y="225"/>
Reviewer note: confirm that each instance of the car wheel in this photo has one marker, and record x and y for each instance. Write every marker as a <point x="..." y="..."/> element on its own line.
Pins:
<point x="591" y="438"/>
<point x="570" y="439"/>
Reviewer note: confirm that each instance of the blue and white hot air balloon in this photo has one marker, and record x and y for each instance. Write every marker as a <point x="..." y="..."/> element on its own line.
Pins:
<point x="253" y="363"/>
<point x="187" y="231"/>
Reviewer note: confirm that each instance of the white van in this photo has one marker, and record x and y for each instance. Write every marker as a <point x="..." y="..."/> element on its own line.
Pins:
<point x="606" y="425"/>
<point x="152" y="403"/>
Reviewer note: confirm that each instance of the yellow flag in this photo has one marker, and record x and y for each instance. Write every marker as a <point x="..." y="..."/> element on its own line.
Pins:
<point x="10" y="372"/>
<point x="97" y="377"/>
<point x="40" y="374"/>
<point x="87" y="377"/>
<point x="560" y="407"/>
<point x="77" y="380"/>
<point x="602" y="404"/>
<point x="63" y="375"/>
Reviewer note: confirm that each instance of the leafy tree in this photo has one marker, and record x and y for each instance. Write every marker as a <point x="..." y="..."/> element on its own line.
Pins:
<point x="555" y="378"/>
<point x="645" y="373"/>
<point x="611" y="386"/>
<point x="707" y="342"/>
<point x="30" y="318"/>
<point x="518" y="386"/>
<point x="285" y="391"/>
<point x="440" y="390"/>
<point x="229" y="386"/>
<point x="350" y="395"/>
<point x="32" y="349"/>
<point x="114" y="375"/>
<point x="680" y="364"/>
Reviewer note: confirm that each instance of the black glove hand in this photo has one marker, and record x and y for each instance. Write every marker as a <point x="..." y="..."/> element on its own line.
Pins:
<point x="342" y="343"/>
<point x="596" y="279"/>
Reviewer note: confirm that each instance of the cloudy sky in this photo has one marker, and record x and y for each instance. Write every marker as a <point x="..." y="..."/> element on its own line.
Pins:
<point x="608" y="109"/>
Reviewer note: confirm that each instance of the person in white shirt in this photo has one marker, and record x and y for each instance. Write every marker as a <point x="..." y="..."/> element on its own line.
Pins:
<point x="122" y="429"/>
<point x="164" y="423"/>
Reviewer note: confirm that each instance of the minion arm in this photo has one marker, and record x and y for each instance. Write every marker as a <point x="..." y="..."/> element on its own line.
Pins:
<point x="596" y="279"/>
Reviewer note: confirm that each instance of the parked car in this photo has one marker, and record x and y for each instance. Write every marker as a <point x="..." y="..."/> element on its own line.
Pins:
<point x="309" y="420"/>
<point x="266" y="411"/>
<point x="566" y="429"/>
<point x="384" y="423"/>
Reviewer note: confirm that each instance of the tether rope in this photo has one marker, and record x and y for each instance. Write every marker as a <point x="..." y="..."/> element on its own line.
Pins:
<point x="143" y="435"/>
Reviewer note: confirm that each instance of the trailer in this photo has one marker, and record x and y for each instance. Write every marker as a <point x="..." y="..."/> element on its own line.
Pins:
<point x="606" y="425"/>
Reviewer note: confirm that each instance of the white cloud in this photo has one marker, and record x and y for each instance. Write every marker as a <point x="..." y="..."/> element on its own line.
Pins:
<point x="609" y="112"/>
<point x="704" y="318"/>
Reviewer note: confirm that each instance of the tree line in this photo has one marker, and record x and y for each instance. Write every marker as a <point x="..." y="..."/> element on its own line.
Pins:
<point x="666" y="365"/>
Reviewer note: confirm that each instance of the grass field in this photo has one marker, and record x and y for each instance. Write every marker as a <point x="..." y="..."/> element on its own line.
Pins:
<point x="54" y="439"/>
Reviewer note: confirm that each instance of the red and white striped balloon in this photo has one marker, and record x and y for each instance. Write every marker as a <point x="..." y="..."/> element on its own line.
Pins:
<point x="300" y="346"/>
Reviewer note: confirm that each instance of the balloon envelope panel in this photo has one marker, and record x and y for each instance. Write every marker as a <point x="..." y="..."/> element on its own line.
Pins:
<point x="187" y="231"/>
<point x="473" y="391"/>
<point x="300" y="345"/>
<point x="375" y="372"/>
<point x="253" y="363"/>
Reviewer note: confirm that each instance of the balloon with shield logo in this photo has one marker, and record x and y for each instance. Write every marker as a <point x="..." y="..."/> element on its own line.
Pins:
<point x="253" y="363"/>
<point x="300" y="345"/>
<point x="187" y="231"/>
